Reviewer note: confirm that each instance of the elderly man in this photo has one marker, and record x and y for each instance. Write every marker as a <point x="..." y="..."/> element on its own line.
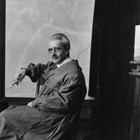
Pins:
<point x="54" y="113"/>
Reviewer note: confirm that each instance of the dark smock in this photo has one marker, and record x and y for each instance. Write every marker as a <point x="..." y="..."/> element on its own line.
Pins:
<point x="56" y="108"/>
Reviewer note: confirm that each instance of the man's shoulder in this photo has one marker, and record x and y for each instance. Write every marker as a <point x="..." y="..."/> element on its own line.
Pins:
<point x="73" y="66"/>
<point x="73" y="69"/>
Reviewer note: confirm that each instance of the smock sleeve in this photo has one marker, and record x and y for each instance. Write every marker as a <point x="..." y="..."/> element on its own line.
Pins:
<point x="35" y="71"/>
<point x="73" y="90"/>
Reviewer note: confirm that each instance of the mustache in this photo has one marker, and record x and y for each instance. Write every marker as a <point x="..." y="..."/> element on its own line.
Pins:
<point x="54" y="57"/>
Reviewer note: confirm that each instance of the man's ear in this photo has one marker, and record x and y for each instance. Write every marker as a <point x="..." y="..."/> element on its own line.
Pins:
<point x="66" y="52"/>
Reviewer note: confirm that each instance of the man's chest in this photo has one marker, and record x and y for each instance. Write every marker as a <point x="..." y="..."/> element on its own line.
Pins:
<point x="53" y="77"/>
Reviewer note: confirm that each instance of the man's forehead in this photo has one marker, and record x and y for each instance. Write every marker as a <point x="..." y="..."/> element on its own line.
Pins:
<point x="55" y="43"/>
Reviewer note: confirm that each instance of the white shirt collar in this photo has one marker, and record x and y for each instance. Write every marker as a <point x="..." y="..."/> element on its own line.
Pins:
<point x="64" y="62"/>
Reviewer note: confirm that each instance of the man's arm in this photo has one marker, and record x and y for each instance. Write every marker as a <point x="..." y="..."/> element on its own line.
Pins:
<point x="33" y="71"/>
<point x="73" y="90"/>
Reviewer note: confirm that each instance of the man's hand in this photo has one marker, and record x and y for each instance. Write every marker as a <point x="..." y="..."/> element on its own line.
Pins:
<point x="19" y="76"/>
<point x="29" y="104"/>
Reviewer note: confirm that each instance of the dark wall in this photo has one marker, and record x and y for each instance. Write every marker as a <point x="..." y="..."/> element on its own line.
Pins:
<point x="113" y="40"/>
<point x="113" y="48"/>
<point x="138" y="13"/>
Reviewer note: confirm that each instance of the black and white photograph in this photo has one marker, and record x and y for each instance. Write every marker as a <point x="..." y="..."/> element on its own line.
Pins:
<point x="70" y="70"/>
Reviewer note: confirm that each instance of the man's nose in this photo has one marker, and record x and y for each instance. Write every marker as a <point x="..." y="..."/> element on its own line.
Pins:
<point x="53" y="52"/>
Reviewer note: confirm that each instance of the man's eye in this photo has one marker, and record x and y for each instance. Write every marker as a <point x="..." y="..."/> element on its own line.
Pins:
<point x="57" y="49"/>
<point x="50" y="50"/>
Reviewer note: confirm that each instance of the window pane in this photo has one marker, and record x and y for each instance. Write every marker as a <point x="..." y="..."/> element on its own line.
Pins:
<point x="29" y="25"/>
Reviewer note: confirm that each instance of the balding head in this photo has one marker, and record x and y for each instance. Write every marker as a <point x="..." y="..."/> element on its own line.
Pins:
<point x="63" y="38"/>
<point x="59" y="47"/>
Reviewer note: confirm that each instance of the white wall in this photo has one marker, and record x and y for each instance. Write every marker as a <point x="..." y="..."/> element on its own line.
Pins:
<point x="29" y="25"/>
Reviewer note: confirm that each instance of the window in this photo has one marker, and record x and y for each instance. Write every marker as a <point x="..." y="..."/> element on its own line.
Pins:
<point x="29" y="25"/>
